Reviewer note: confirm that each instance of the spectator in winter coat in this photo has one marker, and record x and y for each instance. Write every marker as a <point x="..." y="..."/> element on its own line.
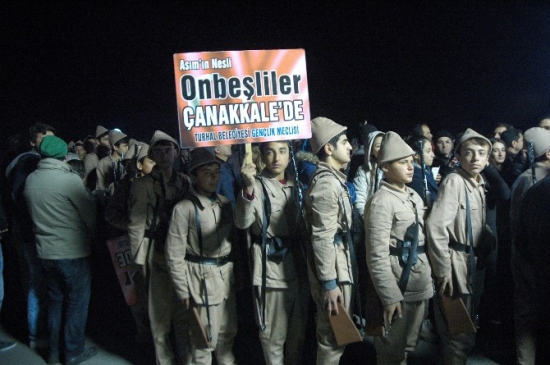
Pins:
<point x="64" y="217"/>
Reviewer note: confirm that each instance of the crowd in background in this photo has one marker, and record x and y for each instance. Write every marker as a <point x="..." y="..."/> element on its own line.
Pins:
<point x="205" y="223"/>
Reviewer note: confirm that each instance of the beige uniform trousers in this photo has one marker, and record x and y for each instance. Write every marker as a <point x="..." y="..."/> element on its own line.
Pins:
<point x="223" y="328"/>
<point x="402" y="336"/>
<point x="286" y="320"/>
<point x="328" y="352"/>
<point x="166" y="311"/>
<point x="456" y="347"/>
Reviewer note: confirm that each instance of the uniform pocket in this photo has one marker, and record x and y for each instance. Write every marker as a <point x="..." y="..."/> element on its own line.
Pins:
<point x="208" y="276"/>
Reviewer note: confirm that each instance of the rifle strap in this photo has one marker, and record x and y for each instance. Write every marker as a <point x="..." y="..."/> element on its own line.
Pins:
<point x="199" y="235"/>
<point x="356" y="296"/>
<point x="266" y="215"/>
<point x="470" y="238"/>
<point x="412" y="259"/>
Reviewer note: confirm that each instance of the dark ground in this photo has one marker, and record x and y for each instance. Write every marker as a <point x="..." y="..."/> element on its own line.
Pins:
<point x="111" y="327"/>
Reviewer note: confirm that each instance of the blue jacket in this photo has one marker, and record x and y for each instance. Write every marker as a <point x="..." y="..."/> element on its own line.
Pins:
<point x="417" y="183"/>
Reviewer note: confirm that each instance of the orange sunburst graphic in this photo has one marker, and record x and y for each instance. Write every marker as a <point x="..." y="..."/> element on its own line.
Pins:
<point x="232" y="97"/>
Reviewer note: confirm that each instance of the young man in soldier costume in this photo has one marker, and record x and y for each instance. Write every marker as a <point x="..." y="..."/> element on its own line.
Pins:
<point x="198" y="252"/>
<point x="269" y="206"/>
<point x="456" y="231"/>
<point x="151" y="202"/>
<point x="329" y="218"/>
<point x="396" y="255"/>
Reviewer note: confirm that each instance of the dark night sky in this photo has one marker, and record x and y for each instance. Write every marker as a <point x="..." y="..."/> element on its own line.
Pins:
<point x="475" y="63"/>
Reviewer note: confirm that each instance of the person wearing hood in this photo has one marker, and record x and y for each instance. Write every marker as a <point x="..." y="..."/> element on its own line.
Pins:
<point x="109" y="169"/>
<point x="368" y="177"/>
<point x="152" y="199"/>
<point x="423" y="182"/>
<point x="64" y="218"/>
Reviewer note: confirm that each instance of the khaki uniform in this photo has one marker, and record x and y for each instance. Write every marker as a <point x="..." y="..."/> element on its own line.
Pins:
<point x="116" y="211"/>
<point x="387" y="216"/>
<point x="328" y="210"/>
<point x="90" y="163"/>
<point x="447" y="223"/>
<point x="148" y="251"/>
<point x="216" y="227"/>
<point x="286" y="293"/>
<point x="105" y="174"/>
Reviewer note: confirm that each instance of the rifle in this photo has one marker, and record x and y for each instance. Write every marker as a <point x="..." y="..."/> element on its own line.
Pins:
<point x="299" y="198"/>
<point x="531" y="155"/>
<point x="135" y="159"/>
<point x="426" y="196"/>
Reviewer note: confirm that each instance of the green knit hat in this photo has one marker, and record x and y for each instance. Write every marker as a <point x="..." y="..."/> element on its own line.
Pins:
<point x="53" y="147"/>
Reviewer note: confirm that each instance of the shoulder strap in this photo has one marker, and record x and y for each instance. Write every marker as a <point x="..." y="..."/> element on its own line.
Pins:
<point x="266" y="215"/>
<point x="470" y="236"/>
<point x="203" y="280"/>
<point x="412" y="258"/>
<point x="356" y="296"/>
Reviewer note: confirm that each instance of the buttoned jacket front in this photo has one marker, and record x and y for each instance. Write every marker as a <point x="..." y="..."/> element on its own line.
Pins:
<point x="388" y="214"/>
<point x="216" y="227"/>
<point x="146" y="193"/>
<point x="447" y="223"/>
<point x="328" y="212"/>
<point x="283" y="220"/>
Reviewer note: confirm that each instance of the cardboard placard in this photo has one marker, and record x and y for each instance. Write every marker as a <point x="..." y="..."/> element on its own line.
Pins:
<point x="197" y="329"/>
<point x="457" y="316"/>
<point x="343" y="327"/>
<point x="122" y="261"/>
<point x="230" y="97"/>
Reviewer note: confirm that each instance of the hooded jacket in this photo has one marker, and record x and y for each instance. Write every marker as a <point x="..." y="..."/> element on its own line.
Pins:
<point x="368" y="177"/>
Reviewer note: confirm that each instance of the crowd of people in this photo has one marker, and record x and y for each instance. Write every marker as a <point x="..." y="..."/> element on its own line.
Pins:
<point x="391" y="231"/>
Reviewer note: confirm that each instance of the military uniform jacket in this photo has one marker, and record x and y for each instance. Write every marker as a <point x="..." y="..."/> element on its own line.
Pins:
<point x="388" y="214"/>
<point x="216" y="225"/>
<point x="447" y="222"/>
<point x="146" y="192"/>
<point x="105" y="173"/>
<point x="328" y="211"/>
<point x="282" y="223"/>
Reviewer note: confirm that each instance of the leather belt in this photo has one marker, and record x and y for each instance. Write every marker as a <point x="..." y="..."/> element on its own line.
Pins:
<point x="398" y="251"/>
<point x="214" y="261"/>
<point x="461" y="247"/>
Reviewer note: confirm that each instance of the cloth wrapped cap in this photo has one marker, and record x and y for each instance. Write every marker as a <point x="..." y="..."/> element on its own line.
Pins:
<point x="115" y="136"/>
<point x="540" y="138"/>
<point x="160" y="136"/>
<point x="143" y="151"/>
<point x="100" y="130"/>
<point x="322" y="131"/>
<point x="393" y="148"/>
<point x="132" y="149"/>
<point x="444" y="133"/>
<point x="70" y="145"/>
<point x="469" y="134"/>
<point x="53" y="147"/>
<point x="201" y="157"/>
